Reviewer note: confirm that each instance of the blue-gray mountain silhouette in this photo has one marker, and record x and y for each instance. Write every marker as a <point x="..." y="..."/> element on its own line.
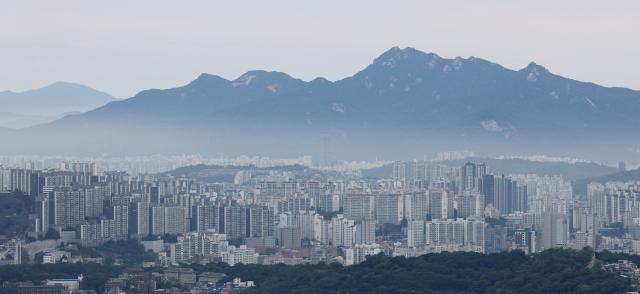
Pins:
<point x="20" y="109"/>
<point x="405" y="104"/>
<point x="57" y="98"/>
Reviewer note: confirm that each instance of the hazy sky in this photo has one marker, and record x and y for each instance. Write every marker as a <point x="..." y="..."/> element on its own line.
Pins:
<point x="122" y="47"/>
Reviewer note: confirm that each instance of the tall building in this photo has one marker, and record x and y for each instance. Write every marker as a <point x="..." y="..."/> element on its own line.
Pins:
<point x="399" y="171"/>
<point x="471" y="175"/>
<point x="120" y="216"/>
<point x="67" y="207"/>
<point x="325" y="202"/>
<point x="193" y="245"/>
<point x="88" y="168"/>
<point x="469" y="204"/>
<point x="235" y="221"/>
<point x="290" y="238"/>
<point x="416" y="205"/>
<point x="139" y="218"/>
<point x="504" y="194"/>
<point x="175" y="220"/>
<point x="416" y="233"/>
<point x="17" y="253"/>
<point x="342" y="230"/>
<point x="20" y="179"/>
<point x="305" y="220"/>
<point x="94" y="201"/>
<point x="597" y="201"/>
<point x="555" y="230"/>
<point x="440" y="206"/>
<point x="205" y="217"/>
<point x="455" y="235"/>
<point x="5" y="179"/>
<point x="42" y="209"/>
<point x="365" y="232"/>
<point x="91" y="234"/>
<point x="358" y="206"/>
<point x="295" y="204"/>
<point x="418" y="170"/>
<point x="261" y="221"/>
<point x="320" y="229"/>
<point x="525" y="240"/>
<point x="386" y="208"/>
<point x="157" y="220"/>
<point x="487" y="189"/>
<point x="168" y="220"/>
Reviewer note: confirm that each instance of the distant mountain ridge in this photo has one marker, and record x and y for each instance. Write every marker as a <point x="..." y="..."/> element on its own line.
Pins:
<point x="48" y="103"/>
<point x="226" y="173"/>
<point x="406" y="103"/>
<point x="570" y="171"/>
<point x="580" y="185"/>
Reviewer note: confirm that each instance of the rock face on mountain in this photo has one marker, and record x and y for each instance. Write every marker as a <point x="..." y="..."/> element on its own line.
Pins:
<point x="405" y="104"/>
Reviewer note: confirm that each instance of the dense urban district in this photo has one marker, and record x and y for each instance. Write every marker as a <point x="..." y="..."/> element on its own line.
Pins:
<point x="421" y="226"/>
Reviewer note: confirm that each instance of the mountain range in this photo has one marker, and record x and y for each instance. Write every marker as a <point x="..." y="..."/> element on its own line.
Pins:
<point x="570" y="171"/>
<point x="21" y="109"/>
<point x="580" y="186"/>
<point x="405" y="104"/>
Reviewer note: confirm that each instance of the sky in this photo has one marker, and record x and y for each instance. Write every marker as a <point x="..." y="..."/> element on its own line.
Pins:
<point x="123" y="47"/>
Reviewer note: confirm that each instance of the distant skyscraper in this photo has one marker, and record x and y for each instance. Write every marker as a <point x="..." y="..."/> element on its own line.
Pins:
<point x="17" y="253"/>
<point x="481" y="170"/>
<point x="342" y="231"/>
<point x="261" y="221"/>
<point x="94" y="201"/>
<point x="168" y="220"/>
<point x="205" y="217"/>
<point x="91" y="234"/>
<point x="139" y="218"/>
<point x="290" y="238"/>
<point x="157" y="220"/>
<point x="120" y="216"/>
<point x="175" y="220"/>
<point x="68" y="207"/>
<point x="235" y="222"/>
<point x="469" y="204"/>
<point x="555" y="230"/>
<point x="42" y="209"/>
<point x="154" y="194"/>
<point x="387" y="208"/>
<point x="525" y="240"/>
<point x="320" y="229"/>
<point x="471" y="174"/>
<point x="365" y="232"/>
<point x="439" y="204"/>
<point x="487" y="188"/>
<point x="456" y="234"/>
<point x="399" y="171"/>
<point x="416" y="205"/>
<point x="20" y="179"/>
<point x="358" y="206"/>
<point x="504" y="193"/>
<point x="416" y="233"/>
<point x="325" y="202"/>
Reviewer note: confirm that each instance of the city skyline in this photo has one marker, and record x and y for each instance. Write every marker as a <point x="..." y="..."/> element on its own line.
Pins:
<point x="164" y="147"/>
<point x="277" y="213"/>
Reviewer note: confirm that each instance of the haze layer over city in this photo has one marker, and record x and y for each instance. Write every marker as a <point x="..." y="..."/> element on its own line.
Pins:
<point x="330" y="147"/>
